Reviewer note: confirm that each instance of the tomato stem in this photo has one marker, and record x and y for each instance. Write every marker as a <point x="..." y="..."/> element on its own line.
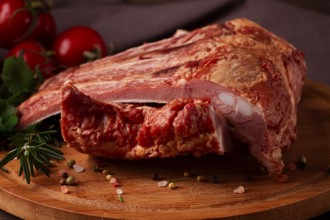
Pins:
<point x="91" y="55"/>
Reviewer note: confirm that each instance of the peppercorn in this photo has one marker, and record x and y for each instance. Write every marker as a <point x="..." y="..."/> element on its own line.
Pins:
<point x="63" y="182"/>
<point x="106" y="171"/>
<point x="200" y="178"/>
<point x="108" y="177"/>
<point x="172" y="185"/>
<point x="65" y="175"/>
<point x="97" y="168"/>
<point x="186" y="173"/>
<point x="301" y="162"/>
<point x="215" y="179"/>
<point x="71" y="162"/>
<point x="70" y="180"/>
<point x="154" y="176"/>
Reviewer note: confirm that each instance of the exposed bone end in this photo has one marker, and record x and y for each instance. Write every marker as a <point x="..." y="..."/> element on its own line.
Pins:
<point x="244" y="108"/>
<point x="226" y="98"/>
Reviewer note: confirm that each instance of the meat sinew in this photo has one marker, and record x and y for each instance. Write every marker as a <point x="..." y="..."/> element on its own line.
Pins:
<point x="235" y="77"/>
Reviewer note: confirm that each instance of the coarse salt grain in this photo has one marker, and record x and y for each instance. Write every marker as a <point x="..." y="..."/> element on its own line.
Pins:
<point x="162" y="183"/>
<point x="64" y="189"/>
<point x="292" y="166"/>
<point x="239" y="190"/>
<point x="78" y="168"/>
<point x="113" y="180"/>
<point x="119" y="191"/>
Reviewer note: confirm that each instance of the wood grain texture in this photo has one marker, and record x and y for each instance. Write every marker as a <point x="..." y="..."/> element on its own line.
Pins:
<point x="306" y="194"/>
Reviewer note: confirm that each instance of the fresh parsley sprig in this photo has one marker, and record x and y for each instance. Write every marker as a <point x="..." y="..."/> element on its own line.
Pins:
<point x="17" y="83"/>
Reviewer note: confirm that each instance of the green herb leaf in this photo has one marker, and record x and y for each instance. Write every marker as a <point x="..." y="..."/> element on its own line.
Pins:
<point x="8" y="117"/>
<point x="17" y="79"/>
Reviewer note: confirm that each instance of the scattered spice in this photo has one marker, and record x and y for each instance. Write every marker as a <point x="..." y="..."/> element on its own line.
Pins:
<point x="108" y="177"/>
<point x="155" y="176"/>
<point x="64" y="189"/>
<point x="97" y="168"/>
<point x="60" y="172"/>
<point x="282" y="178"/>
<point x="65" y="175"/>
<point x="70" y="180"/>
<point x="78" y="168"/>
<point x="301" y="162"/>
<point x="116" y="184"/>
<point x="106" y="171"/>
<point x="172" y="185"/>
<point x="200" y="178"/>
<point x="292" y="166"/>
<point x="186" y="173"/>
<point x="239" y="190"/>
<point x="162" y="183"/>
<point x="71" y="162"/>
<point x="119" y="191"/>
<point x="215" y="179"/>
<point x="121" y="199"/>
<point x="113" y="180"/>
<point x="63" y="182"/>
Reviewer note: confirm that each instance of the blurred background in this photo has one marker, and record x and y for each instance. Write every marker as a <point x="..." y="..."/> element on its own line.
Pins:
<point x="127" y="23"/>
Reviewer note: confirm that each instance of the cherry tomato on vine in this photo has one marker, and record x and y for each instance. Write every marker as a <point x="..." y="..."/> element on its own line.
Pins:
<point x="35" y="56"/>
<point x="15" y="21"/>
<point x="45" y="29"/>
<point x="78" y="45"/>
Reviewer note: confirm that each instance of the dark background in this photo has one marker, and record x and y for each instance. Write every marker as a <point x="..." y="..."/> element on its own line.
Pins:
<point x="124" y="24"/>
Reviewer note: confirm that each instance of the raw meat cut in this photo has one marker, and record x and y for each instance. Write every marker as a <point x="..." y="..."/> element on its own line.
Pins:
<point x="137" y="131"/>
<point x="252" y="79"/>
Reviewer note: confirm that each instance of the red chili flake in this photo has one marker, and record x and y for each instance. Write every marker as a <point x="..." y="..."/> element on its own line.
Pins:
<point x="60" y="172"/>
<point x="282" y="178"/>
<point x="292" y="166"/>
<point x="116" y="184"/>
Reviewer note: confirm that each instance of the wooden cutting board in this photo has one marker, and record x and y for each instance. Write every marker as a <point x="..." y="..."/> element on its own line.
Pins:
<point x="306" y="194"/>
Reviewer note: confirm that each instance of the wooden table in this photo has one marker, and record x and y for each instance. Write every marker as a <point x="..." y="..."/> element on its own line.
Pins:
<point x="305" y="195"/>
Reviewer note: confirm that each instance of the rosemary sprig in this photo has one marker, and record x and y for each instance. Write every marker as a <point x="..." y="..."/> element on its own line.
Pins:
<point x="32" y="148"/>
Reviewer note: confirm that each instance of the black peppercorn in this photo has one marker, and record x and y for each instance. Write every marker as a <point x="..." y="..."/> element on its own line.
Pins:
<point x="154" y="176"/>
<point x="301" y="162"/>
<point x="215" y="179"/>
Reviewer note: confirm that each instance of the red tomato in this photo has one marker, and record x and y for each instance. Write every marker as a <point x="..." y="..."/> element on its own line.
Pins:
<point x="70" y="45"/>
<point x="14" y="21"/>
<point x="35" y="57"/>
<point x="45" y="29"/>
